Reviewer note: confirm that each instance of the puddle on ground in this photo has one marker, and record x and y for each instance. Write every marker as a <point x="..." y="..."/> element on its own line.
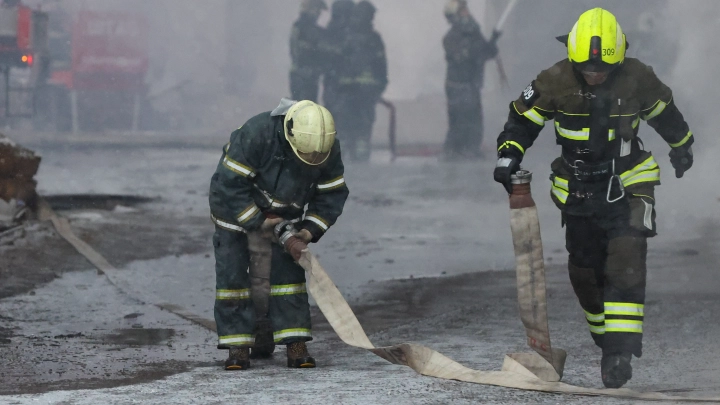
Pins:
<point x="138" y="337"/>
<point x="65" y="202"/>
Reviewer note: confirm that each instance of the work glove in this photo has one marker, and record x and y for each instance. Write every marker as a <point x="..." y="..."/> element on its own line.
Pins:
<point x="681" y="159"/>
<point x="267" y="227"/>
<point x="304" y="235"/>
<point x="506" y="167"/>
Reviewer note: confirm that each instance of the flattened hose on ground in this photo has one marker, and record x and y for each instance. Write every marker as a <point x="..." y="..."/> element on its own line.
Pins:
<point x="423" y="360"/>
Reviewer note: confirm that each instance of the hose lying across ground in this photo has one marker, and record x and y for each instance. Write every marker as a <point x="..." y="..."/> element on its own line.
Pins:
<point x="423" y="360"/>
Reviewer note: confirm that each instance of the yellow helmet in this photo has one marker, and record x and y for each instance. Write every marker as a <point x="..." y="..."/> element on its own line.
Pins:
<point x="597" y="40"/>
<point x="310" y="130"/>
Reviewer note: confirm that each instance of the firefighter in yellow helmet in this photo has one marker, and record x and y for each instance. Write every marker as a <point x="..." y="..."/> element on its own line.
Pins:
<point x="604" y="180"/>
<point x="281" y="165"/>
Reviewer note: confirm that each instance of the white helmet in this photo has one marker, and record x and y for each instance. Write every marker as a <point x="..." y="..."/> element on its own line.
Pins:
<point x="310" y="130"/>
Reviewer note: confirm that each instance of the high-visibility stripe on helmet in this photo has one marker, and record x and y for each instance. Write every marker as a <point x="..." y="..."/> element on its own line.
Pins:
<point x="232" y="294"/>
<point x="624" y="308"/>
<point x="623" y="325"/>
<point x="295" y="332"/>
<point x="682" y="141"/>
<point x="244" y="340"/>
<point x="319" y="221"/>
<point x="288" y="289"/>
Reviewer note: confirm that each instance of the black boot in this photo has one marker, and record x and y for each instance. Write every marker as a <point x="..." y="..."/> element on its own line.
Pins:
<point x="298" y="356"/>
<point x="264" y="343"/>
<point x="238" y="359"/>
<point x="616" y="369"/>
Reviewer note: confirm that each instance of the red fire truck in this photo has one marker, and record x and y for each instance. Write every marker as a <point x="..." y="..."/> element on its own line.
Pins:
<point x="98" y="68"/>
<point x="23" y="58"/>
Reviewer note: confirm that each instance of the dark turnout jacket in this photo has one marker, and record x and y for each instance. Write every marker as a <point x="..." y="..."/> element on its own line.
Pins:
<point x="259" y="174"/>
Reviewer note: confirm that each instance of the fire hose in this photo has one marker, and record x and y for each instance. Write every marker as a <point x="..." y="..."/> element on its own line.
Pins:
<point x="518" y="369"/>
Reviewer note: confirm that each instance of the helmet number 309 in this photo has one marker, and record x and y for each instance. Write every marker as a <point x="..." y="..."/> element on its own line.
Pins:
<point x="608" y="51"/>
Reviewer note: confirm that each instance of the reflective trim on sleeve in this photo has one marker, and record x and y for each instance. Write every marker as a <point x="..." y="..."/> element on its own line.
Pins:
<point x="682" y="141"/>
<point x="658" y="108"/>
<point x="648" y="176"/>
<point x="319" y="221"/>
<point x="228" y="226"/>
<point x="534" y="116"/>
<point x="288" y="289"/>
<point x="232" y="294"/>
<point x="598" y="330"/>
<point x="595" y="317"/>
<point x="332" y="184"/>
<point x="636" y="122"/>
<point x="238" y="167"/>
<point x="248" y="213"/>
<point x="240" y="340"/>
<point x="507" y="144"/>
<point x="623" y="325"/>
<point x="624" y="308"/>
<point x="582" y="135"/>
<point x="611" y="135"/>
<point x="286" y="333"/>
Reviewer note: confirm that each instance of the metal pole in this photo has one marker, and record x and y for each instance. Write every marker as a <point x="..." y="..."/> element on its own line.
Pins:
<point x="74" y="111"/>
<point x="136" y="113"/>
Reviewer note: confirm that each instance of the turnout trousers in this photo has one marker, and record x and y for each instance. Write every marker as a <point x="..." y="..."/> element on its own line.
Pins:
<point x="288" y="309"/>
<point x="465" y="120"/>
<point x="607" y="266"/>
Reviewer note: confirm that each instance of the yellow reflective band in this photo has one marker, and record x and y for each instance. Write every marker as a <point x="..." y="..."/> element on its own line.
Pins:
<point x="644" y="177"/>
<point x="232" y="294"/>
<point x="594" y="317"/>
<point x="624" y="308"/>
<point x="507" y="144"/>
<point x="643" y="195"/>
<point x="659" y="107"/>
<point x="248" y="213"/>
<point x="583" y="135"/>
<point x="237" y="339"/>
<point x="636" y="122"/>
<point x="332" y="184"/>
<point x="227" y="146"/>
<point x="623" y="325"/>
<point x="561" y="183"/>
<point x="228" y="226"/>
<point x="648" y="164"/>
<point x="560" y="194"/>
<point x="319" y="221"/>
<point x="683" y="141"/>
<point x="611" y="135"/>
<point x="288" y="289"/>
<point x="238" y="167"/>
<point x="598" y="330"/>
<point x="573" y="115"/>
<point x="535" y="117"/>
<point x="286" y="333"/>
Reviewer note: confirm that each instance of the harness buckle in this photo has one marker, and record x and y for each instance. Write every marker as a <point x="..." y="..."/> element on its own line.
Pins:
<point x="621" y="187"/>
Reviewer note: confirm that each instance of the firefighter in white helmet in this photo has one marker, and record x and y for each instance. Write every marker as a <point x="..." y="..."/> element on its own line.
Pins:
<point x="281" y="165"/>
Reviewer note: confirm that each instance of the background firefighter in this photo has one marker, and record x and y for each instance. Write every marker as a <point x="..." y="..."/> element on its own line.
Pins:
<point x="604" y="181"/>
<point x="307" y="55"/>
<point x="362" y="80"/>
<point x="466" y="52"/>
<point x="336" y="35"/>
<point x="274" y="165"/>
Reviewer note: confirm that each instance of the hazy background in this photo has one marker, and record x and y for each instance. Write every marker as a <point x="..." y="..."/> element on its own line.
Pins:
<point x="214" y="63"/>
